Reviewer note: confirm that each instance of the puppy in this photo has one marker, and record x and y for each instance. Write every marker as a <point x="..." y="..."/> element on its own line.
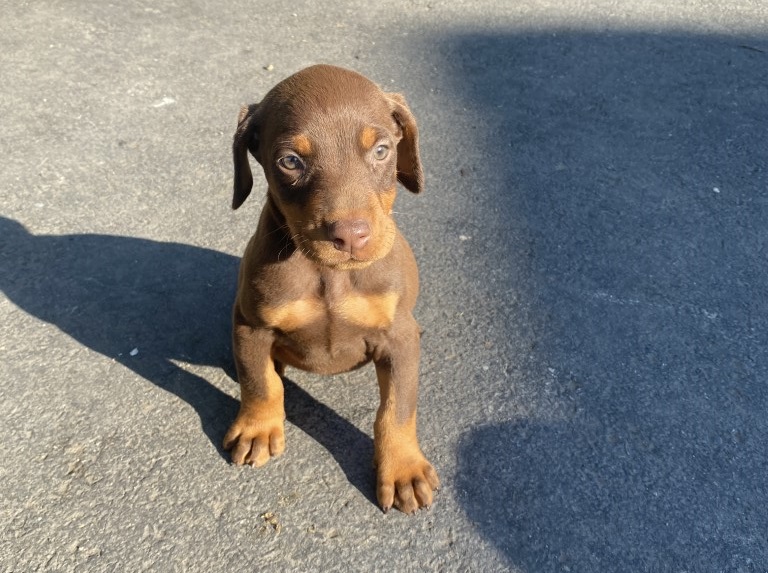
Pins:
<point x="328" y="283"/>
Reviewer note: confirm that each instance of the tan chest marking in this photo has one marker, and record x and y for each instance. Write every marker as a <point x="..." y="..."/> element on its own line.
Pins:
<point x="372" y="310"/>
<point x="294" y="315"/>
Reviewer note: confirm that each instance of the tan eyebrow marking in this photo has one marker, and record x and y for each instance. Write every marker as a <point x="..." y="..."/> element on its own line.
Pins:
<point x="368" y="137"/>
<point x="301" y="144"/>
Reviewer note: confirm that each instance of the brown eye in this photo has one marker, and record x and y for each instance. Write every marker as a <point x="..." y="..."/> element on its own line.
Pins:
<point x="290" y="163"/>
<point x="381" y="152"/>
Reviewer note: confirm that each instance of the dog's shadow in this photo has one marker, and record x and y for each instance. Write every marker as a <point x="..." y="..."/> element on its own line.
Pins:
<point x="147" y="304"/>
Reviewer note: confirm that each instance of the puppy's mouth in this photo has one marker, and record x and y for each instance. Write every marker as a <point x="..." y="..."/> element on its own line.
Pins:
<point x="332" y="254"/>
<point x="351" y="264"/>
<point x="327" y="254"/>
<point x="344" y="244"/>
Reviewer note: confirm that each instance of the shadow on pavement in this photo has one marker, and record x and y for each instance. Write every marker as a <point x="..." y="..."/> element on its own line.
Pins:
<point x="631" y="168"/>
<point x="171" y="302"/>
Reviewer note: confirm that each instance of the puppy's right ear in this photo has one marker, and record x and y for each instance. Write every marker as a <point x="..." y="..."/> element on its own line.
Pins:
<point x="409" y="171"/>
<point x="246" y="139"/>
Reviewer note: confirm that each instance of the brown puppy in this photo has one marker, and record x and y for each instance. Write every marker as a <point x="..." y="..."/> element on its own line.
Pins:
<point x="327" y="282"/>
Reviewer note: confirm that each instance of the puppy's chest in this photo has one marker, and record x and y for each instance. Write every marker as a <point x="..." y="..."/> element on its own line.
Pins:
<point x="333" y="312"/>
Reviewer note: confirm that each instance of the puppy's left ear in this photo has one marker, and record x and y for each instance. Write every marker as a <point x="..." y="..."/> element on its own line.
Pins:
<point x="409" y="171"/>
<point x="246" y="139"/>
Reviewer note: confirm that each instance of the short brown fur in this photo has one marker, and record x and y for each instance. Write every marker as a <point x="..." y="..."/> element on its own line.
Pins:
<point x="327" y="282"/>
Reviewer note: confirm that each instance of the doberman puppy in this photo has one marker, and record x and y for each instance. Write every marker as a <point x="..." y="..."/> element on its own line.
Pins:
<point x="327" y="282"/>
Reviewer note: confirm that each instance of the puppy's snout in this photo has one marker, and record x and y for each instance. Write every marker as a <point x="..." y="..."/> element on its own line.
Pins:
<point x="349" y="236"/>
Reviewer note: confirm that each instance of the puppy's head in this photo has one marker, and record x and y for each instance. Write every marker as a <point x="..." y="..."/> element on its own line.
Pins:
<point x="333" y="146"/>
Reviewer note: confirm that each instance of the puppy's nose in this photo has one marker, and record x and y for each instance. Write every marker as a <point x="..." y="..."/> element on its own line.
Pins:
<point x="349" y="236"/>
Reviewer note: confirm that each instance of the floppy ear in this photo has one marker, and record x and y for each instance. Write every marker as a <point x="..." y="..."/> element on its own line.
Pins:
<point x="409" y="171"/>
<point x="246" y="139"/>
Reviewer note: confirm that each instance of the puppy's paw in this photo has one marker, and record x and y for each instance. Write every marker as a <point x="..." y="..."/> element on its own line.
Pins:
<point x="254" y="437"/>
<point x="405" y="481"/>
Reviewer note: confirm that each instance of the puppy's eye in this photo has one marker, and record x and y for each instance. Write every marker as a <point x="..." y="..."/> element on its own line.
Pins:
<point x="290" y="163"/>
<point x="381" y="152"/>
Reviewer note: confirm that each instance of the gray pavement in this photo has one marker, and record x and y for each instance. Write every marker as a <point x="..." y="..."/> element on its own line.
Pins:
<point x="592" y="245"/>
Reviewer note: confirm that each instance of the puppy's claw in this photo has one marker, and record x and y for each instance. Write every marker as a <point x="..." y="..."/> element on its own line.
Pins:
<point x="254" y="441"/>
<point x="407" y="487"/>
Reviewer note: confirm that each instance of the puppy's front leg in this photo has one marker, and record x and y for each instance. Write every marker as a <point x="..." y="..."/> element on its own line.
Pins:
<point x="405" y="479"/>
<point x="258" y="431"/>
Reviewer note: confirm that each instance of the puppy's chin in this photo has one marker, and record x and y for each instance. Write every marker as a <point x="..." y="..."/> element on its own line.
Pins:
<point x="338" y="260"/>
<point x="351" y="265"/>
<point x="325" y="254"/>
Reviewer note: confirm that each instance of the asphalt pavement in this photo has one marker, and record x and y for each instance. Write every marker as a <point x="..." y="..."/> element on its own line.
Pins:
<point x="592" y="244"/>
